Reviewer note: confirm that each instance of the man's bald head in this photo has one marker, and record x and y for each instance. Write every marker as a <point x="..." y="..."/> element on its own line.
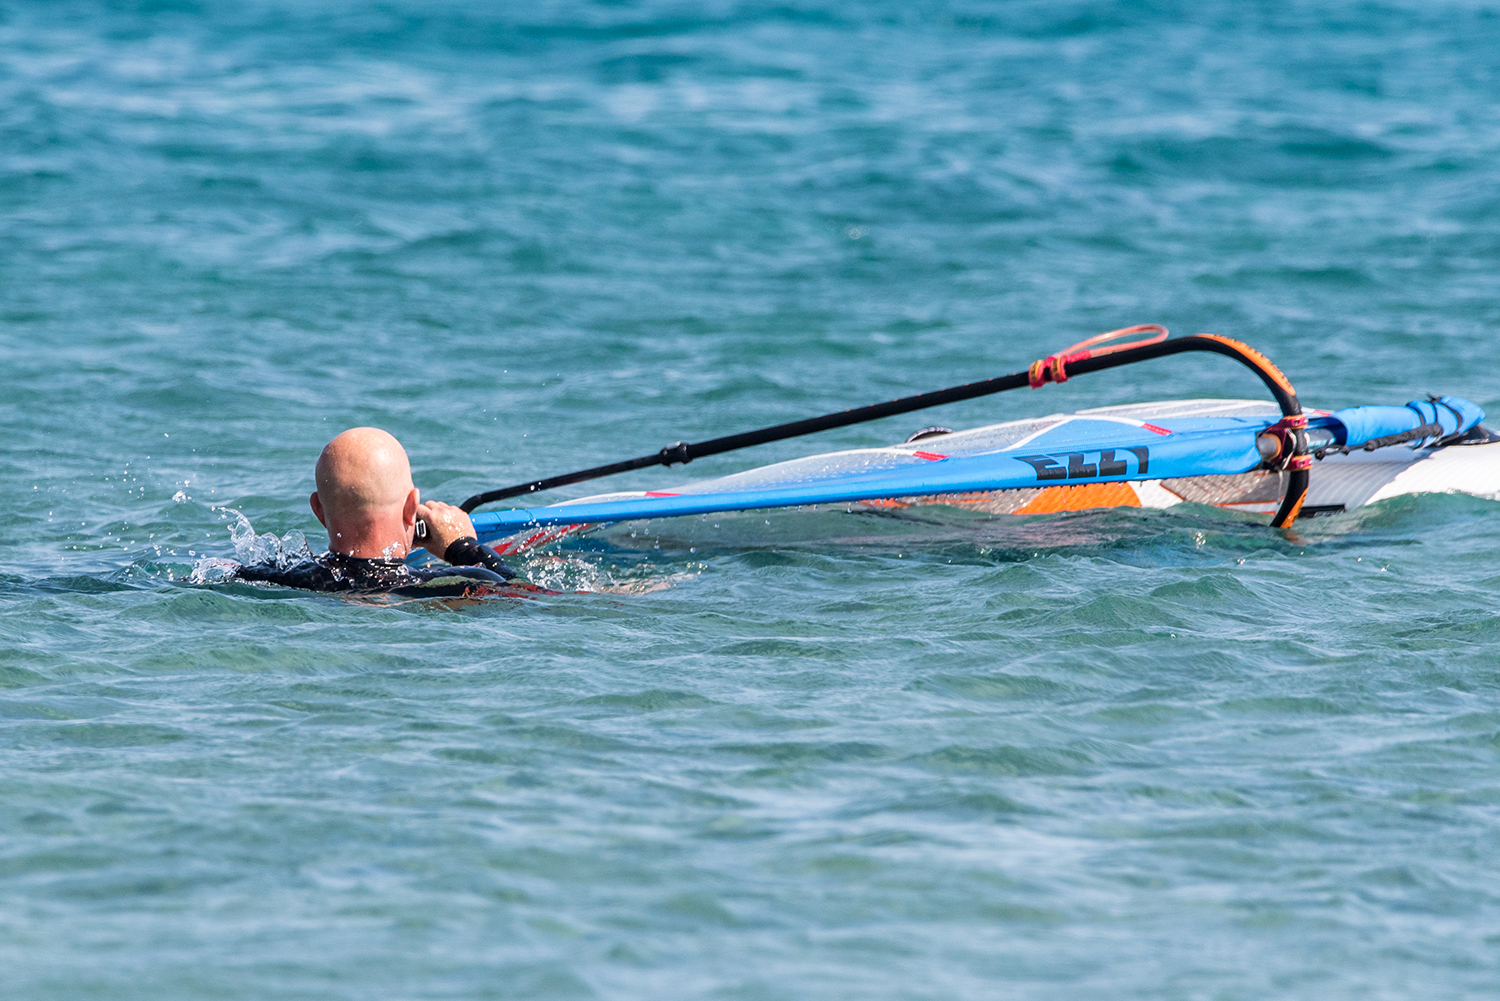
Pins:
<point x="363" y="469"/>
<point x="364" y="488"/>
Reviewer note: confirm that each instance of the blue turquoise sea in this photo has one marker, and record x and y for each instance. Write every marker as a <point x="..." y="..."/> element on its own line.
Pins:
<point x="1138" y="754"/>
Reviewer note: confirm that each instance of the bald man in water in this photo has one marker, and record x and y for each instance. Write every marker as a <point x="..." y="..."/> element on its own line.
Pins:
<point x="375" y="517"/>
<point x="368" y="503"/>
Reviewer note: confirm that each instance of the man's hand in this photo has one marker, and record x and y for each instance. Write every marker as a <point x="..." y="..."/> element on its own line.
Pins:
<point x="446" y="524"/>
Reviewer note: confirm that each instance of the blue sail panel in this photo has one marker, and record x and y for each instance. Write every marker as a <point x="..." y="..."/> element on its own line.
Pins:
<point x="1111" y="445"/>
<point x="1045" y="461"/>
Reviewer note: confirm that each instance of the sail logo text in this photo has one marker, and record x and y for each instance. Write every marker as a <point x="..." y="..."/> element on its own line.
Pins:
<point x="1076" y="465"/>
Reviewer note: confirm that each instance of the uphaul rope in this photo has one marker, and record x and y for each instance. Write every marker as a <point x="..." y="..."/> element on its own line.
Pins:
<point x="1080" y="359"/>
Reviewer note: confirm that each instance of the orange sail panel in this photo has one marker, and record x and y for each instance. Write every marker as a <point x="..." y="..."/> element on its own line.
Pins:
<point x="1081" y="498"/>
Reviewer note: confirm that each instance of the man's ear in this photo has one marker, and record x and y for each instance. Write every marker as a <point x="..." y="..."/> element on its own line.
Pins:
<point x="409" y="511"/>
<point x="317" y="506"/>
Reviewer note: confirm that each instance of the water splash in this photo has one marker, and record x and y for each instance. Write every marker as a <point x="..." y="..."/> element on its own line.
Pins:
<point x="251" y="548"/>
<point x="571" y="573"/>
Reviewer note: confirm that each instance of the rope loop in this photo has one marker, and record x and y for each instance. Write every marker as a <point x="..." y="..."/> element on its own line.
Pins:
<point x="1054" y="367"/>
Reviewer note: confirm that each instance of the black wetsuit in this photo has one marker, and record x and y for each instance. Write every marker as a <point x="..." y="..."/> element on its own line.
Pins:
<point x="474" y="570"/>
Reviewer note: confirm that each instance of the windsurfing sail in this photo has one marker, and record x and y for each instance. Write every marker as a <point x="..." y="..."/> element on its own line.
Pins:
<point x="1093" y="354"/>
<point x="1143" y="442"/>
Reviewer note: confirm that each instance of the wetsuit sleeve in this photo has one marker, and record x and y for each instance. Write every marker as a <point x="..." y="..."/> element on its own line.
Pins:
<point x="469" y="553"/>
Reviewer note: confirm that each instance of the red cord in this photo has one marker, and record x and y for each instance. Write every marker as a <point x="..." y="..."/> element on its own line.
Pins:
<point x="1054" y="368"/>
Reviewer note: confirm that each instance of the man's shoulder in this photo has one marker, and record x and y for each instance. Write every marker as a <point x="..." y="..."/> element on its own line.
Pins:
<point x="335" y="572"/>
